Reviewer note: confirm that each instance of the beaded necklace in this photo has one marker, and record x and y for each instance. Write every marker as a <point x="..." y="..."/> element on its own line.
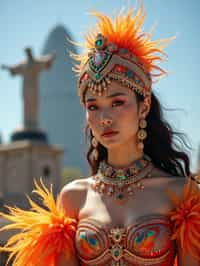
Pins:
<point x="121" y="183"/>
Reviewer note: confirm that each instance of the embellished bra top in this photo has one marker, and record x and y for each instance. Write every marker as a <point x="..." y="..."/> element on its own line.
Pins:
<point x="144" y="243"/>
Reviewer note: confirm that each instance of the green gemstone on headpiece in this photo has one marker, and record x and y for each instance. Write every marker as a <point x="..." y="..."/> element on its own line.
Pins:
<point x="97" y="76"/>
<point x="130" y="73"/>
<point x="98" y="43"/>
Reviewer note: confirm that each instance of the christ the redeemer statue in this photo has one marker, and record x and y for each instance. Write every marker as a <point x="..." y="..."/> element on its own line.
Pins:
<point x="30" y="71"/>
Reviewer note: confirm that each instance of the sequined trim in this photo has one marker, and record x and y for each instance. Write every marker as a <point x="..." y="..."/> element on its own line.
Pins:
<point x="116" y="247"/>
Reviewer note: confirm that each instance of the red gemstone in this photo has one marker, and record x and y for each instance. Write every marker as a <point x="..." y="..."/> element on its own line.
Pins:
<point x="120" y="69"/>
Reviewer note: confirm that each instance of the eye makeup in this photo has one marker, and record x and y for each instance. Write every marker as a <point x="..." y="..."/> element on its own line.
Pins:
<point x="116" y="100"/>
<point x="119" y="100"/>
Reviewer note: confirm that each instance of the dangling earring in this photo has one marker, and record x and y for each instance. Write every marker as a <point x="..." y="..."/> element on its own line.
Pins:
<point x="95" y="152"/>
<point x="142" y="134"/>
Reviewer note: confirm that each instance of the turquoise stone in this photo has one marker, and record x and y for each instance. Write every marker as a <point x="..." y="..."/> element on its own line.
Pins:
<point x="116" y="253"/>
<point x="92" y="241"/>
<point x="150" y="233"/>
<point x="123" y="177"/>
<point x="130" y="73"/>
<point x="98" y="42"/>
<point x="83" y="236"/>
<point x="97" y="76"/>
<point x="139" y="238"/>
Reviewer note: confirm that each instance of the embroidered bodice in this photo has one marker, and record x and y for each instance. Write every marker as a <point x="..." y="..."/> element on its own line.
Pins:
<point x="144" y="243"/>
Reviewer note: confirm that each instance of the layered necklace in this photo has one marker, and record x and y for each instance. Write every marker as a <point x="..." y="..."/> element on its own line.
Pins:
<point x="121" y="183"/>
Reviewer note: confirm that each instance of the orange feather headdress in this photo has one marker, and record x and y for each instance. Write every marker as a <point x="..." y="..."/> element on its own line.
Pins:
<point x="120" y="50"/>
<point x="44" y="233"/>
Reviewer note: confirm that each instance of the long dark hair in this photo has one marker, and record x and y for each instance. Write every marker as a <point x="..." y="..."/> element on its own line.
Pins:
<point x="163" y="145"/>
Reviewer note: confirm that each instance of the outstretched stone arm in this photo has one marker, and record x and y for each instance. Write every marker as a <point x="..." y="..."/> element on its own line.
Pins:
<point x="18" y="69"/>
<point x="47" y="60"/>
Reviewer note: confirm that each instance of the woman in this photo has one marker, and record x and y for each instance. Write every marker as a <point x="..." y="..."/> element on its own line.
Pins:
<point x="131" y="210"/>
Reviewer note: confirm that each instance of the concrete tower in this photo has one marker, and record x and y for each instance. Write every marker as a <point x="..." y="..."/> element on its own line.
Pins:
<point x="61" y="115"/>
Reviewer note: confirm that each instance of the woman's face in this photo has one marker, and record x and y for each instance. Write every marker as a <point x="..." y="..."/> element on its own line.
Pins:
<point x="119" y="106"/>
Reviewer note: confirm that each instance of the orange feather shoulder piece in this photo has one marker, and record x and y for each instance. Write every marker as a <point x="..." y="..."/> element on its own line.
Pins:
<point x="186" y="219"/>
<point x="44" y="233"/>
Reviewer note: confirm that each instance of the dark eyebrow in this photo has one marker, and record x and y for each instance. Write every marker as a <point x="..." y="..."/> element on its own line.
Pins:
<point x="109" y="96"/>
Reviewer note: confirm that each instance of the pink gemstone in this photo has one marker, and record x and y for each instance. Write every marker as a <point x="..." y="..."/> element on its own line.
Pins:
<point x="85" y="77"/>
<point x="98" y="58"/>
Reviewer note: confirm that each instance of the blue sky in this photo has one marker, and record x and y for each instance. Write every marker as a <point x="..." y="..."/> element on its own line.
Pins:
<point x="27" y="23"/>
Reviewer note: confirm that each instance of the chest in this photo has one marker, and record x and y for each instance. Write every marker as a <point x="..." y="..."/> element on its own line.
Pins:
<point x="111" y="212"/>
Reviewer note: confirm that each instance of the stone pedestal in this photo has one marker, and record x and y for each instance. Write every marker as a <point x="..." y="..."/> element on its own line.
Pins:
<point x="23" y="161"/>
<point x="20" y="162"/>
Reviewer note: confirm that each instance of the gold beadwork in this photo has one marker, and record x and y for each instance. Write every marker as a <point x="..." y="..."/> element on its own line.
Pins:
<point x="143" y="123"/>
<point x="121" y="186"/>
<point x="142" y="133"/>
<point x="117" y="236"/>
<point x="106" y="63"/>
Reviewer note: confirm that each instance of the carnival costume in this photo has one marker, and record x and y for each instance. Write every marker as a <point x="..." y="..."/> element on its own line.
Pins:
<point x="115" y="51"/>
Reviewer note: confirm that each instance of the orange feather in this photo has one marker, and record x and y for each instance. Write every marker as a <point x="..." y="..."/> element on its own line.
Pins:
<point x="186" y="219"/>
<point x="44" y="233"/>
<point x="125" y="31"/>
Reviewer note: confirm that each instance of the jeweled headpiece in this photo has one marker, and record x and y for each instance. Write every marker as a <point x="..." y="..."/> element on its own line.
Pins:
<point x="119" y="50"/>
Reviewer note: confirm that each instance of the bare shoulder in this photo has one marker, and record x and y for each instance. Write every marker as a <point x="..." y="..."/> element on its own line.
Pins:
<point x="73" y="195"/>
<point x="178" y="183"/>
<point x="159" y="173"/>
<point x="167" y="180"/>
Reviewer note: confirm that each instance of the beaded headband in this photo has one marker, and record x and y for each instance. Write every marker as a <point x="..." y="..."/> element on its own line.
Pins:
<point x="119" y="50"/>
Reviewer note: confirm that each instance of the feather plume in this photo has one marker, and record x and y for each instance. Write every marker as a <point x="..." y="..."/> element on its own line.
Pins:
<point x="186" y="219"/>
<point x="44" y="233"/>
<point x="125" y="31"/>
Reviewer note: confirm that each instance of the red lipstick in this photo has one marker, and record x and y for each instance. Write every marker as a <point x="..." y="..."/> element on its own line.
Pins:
<point x="109" y="133"/>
